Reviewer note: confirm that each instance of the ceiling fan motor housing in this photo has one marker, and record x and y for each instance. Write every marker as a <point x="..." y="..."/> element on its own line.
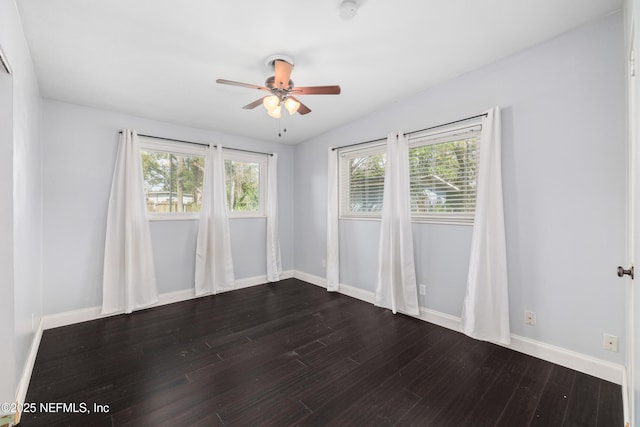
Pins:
<point x="270" y="83"/>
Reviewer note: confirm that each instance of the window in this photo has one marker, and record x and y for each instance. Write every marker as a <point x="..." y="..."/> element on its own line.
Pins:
<point x="442" y="177"/>
<point x="173" y="175"/>
<point x="246" y="184"/>
<point x="362" y="182"/>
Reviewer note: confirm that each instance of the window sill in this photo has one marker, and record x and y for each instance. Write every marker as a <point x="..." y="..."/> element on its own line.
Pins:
<point x="361" y="218"/>
<point x="194" y="217"/>
<point x="442" y="221"/>
<point x="174" y="217"/>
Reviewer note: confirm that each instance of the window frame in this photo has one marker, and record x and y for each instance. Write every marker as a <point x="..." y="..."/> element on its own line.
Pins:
<point x="261" y="159"/>
<point x="176" y="148"/>
<point x="432" y="137"/>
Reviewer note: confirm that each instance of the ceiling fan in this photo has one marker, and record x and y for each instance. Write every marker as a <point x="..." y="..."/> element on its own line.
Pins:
<point x="282" y="89"/>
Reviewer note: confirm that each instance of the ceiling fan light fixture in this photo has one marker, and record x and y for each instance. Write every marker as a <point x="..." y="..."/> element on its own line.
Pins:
<point x="271" y="102"/>
<point x="275" y="112"/>
<point x="291" y="105"/>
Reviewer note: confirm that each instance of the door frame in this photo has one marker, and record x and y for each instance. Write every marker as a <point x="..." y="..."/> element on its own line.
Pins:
<point x="630" y="385"/>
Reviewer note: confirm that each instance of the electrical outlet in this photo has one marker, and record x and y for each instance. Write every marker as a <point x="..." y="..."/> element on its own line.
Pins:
<point x="610" y="342"/>
<point x="422" y="289"/>
<point x="530" y="317"/>
<point x="324" y="263"/>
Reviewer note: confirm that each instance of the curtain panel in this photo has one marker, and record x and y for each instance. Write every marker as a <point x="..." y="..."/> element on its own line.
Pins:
<point x="485" y="312"/>
<point x="274" y="263"/>
<point x="396" y="287"/>
<point x="129" y="280"/>
<point x="333" y="235"/>
<point x="214" y="264"/>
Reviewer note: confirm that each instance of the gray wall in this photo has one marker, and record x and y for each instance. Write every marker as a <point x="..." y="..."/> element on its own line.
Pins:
<point x="80" y="146"/>
<point x="564" y="169"/>
<point x="21" y="212"/>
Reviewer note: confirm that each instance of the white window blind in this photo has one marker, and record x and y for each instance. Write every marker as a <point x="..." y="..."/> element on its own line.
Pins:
<point x="443" y="171"/>
<point x="362" y="182"/>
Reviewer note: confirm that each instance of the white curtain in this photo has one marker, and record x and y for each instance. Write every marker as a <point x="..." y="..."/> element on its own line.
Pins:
<point x="333" y="236"/>
<point x="485" y="313"/>
<point x="214" y="265"/>
<point x="129" y="280"/>
<point x="274" y="264"/>
<point x="396" y="287"/>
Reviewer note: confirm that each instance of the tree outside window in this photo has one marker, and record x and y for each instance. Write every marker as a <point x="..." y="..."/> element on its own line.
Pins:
<point x="243" y="185"/>
<point x="173" y="182"/>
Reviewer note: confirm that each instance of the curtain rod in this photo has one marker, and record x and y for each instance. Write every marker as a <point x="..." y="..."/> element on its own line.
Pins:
<point x="358" y="143"/>
<point x="415" y="131"/>
<point x="446" y="124"/>
<point x="202" y="143"/>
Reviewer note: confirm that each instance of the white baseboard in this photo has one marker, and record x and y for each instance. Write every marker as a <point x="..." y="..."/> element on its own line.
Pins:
<point x="92" y="313"/>
<point x="441" y="319"/>
<point x="51" y="321"/>
<point x="348" y="290"/>
<point x="260" y="280"/>
<point x="608" y="371"/>
<point x="625" y="399"/>
<point x="310" y="278"/>
<point x="580" y="362"/>
<point x="25" y="378"/>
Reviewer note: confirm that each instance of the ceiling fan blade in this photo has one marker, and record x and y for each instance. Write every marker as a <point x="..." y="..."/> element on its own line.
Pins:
<point x="247" y="85"/>
<point x="254" y="104"/>
<point x="302" y="109"/>
<point x="282" y="73"/>
<point x="317" y="90"/>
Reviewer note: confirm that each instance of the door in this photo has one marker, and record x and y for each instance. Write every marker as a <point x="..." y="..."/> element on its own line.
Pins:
<point x="632" y="293"/>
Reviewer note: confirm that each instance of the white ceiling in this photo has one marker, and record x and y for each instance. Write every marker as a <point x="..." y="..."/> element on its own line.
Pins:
<point x="160" y="58"/>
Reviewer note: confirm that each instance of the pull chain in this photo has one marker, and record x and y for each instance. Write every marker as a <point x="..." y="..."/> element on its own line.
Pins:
<point x="280" y="129"/>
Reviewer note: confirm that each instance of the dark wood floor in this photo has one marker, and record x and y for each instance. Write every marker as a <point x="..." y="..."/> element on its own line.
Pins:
<point x="293" y="354"/>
